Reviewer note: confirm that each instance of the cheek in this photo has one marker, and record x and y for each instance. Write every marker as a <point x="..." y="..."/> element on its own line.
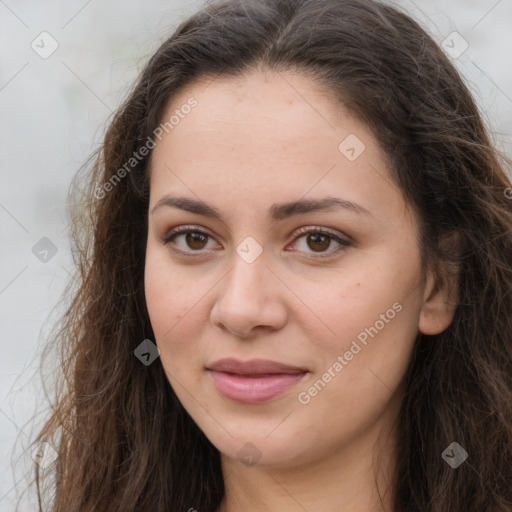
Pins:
<point x="178" y="302"/>
<point x="369" y="316"/>
<point x="161" y="301"/>
<point x="167" y="309"/>
<point x="350" y="301"/>
<point x="169" y="297"/>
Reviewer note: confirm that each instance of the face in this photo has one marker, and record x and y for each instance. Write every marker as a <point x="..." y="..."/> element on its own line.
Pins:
<point x="283" y="274"/>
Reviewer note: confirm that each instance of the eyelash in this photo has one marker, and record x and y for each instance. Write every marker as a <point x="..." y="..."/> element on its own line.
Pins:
<point x="298" y="234"/>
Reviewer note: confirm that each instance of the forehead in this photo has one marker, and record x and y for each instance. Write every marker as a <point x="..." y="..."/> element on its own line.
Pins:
<point x="286" y="104"/>
<point x="270" y="136"/>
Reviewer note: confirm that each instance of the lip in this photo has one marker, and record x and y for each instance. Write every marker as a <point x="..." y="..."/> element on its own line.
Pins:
<point x="253" y="367"/>
<point x="253" y="381"/>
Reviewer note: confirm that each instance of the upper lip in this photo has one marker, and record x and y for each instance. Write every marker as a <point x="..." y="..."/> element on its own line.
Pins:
<point x="253" y="367"/>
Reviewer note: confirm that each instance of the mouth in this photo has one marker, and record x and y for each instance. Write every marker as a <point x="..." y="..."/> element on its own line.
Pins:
<point x="254" y="381"/>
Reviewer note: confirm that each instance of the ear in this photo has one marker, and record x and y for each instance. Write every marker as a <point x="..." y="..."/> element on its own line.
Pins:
<point x="440" y="295"/>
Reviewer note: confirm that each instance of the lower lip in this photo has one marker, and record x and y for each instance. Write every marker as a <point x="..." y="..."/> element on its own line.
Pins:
<point x="253" y="390"/>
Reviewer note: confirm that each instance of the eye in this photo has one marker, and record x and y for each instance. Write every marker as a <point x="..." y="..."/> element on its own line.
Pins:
<point x="193" y="239"/>
<point x="318" y="240"/>
<point x="315" y="240"/>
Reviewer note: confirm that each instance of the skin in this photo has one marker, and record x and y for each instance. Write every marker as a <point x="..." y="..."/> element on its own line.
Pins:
<point x="249" y="143"/>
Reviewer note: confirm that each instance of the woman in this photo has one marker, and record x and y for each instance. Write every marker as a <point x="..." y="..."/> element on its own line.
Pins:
<point x="295" y="278"/>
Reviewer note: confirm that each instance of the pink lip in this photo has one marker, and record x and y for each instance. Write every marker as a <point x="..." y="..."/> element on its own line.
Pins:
<point x="253" y="381"/>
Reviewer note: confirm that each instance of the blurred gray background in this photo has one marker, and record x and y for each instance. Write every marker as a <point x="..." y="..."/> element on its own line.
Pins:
<point x="64" y="67"/>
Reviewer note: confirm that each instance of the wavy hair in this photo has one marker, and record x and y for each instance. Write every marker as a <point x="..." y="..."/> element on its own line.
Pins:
<point x="124" y="441"/>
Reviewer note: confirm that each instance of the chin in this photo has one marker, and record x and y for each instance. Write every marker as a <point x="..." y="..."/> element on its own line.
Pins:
<point x="263" y="450"/>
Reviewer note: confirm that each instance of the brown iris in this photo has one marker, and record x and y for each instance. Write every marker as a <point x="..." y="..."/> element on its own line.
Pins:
<point x="320" y="242"/>
<point x="196" y="240"/>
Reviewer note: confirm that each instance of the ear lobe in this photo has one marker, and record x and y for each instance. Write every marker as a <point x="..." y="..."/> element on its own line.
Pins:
<point x="440" y="297"/>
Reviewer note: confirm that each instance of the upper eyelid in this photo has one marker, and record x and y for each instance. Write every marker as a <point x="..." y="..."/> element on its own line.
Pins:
<point x="299" y="231"/>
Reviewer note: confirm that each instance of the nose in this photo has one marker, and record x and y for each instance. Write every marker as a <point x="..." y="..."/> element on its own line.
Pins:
<point x="250" y="298"/>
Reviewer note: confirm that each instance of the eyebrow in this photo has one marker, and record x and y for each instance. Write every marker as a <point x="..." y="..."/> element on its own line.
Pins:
<point x="276" y="211"/>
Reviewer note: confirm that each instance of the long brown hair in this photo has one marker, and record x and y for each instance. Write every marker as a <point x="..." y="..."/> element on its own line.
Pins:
<point x="124" y="441"/>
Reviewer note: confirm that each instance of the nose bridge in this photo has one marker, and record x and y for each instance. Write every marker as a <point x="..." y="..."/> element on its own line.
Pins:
<point x="245" y="299"/>
<point x="245" y="283"/>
